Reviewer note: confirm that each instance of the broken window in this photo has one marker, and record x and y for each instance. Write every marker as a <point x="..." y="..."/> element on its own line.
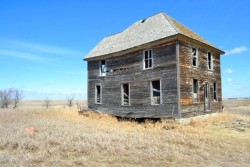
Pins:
<point x="98" y="94"/>
<point x="148" y="59"/>
<point x="195" y="90"/>
<point x="215" y="91"/>
<point x="155" y="92"/>
<point x="194" y="57"/>
<point x="210" y="61"/>
<point x="125" y="94"/>
<point x="103" y="68"/>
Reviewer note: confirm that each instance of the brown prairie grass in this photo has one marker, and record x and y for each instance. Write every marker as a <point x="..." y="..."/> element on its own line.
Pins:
<point x="62" y="137"/>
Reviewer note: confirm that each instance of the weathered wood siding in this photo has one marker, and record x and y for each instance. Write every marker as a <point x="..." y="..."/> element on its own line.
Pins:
<point x="202" y="74"/>
<point x="129" y="69"/>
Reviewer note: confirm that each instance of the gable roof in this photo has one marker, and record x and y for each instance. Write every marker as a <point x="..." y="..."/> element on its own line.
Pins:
<point x="144" y="31"/>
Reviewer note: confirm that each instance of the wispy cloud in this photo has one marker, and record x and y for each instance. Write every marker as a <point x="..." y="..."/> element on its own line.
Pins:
<point x="229" y="71"/>
<point x="41" y="48"/>
<point x="236" y="50"/>
<point x="230" y="80"/>
<point x="21" y="55"/>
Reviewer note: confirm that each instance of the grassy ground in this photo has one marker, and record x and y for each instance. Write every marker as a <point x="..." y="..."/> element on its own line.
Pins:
<point x="59" y="136"/>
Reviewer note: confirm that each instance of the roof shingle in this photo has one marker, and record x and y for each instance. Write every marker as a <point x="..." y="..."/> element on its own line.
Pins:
<point x="144" y="31"/>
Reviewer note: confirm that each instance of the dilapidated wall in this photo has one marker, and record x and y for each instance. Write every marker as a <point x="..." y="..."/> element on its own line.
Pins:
<point x="129" y="69"/>
<point x="203" y="75"/>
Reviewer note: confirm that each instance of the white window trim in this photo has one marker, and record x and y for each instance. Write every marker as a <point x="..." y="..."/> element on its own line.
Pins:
<point x="143" y="59"/>
<point x="212" y="62"/>
<point x="96" y="94"/>
<point x="100" y="68"/>
<point x="151" y="92"/>
<point x="216" y="91"/>
<point x="122" y="97"/>
<point x="197" y="91"/>
<point x="197" y="57"/>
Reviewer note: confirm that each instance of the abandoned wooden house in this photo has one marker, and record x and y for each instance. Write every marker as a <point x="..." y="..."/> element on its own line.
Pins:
<point x="156" y="68"/>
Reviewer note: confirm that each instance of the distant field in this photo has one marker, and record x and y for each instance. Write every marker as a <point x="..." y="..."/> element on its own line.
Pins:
<point x="40" y="104"/>
<point x="237" y="106"/>
<point x="35" y="136"/>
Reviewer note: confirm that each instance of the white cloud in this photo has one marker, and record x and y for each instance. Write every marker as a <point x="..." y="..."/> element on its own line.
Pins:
<point x="21" y="55"/>
<point x="236" y="50"/>
<point x="229" y="79"/>
<point x="229" y="71"/>
<point x="41" y="48"/>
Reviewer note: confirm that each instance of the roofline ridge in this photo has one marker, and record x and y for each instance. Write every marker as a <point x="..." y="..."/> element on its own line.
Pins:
<point x="170" y="21"/>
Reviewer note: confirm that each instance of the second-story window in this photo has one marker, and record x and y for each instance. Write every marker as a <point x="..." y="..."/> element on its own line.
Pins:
<point x="102" y="68"/>
<point x="194" y="57"/>
<point x="209" y="61"/>
<point x="147" y="59"/>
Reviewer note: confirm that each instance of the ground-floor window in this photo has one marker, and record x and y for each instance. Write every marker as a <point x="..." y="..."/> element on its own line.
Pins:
<point x="125" y="94"/>
<point x="98" y="94"/>
<point x="195" y="90"/>
<point x="155" y="89"/>
<point x="215" y="91"/>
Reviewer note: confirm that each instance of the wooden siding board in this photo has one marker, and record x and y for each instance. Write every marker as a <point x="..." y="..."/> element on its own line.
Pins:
<point x="188" y="73"/>
<point x="129" y="68"/>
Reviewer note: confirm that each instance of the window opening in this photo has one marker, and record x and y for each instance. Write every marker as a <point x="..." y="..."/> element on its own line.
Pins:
<point x="194" y="57"/>
<point x="98" y="94"/>
<point x="195" y="90"/>
<point x="103" y="68"/>
<point x="125" y="95"/>
<point x="155" y="92"/>
<point x="148" y="59"/>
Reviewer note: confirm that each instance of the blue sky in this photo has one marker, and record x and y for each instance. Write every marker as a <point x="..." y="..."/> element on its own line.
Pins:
<point x="42" y="43"/>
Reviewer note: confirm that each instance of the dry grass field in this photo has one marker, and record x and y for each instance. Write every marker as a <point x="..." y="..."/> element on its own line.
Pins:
<point x="59" y="136"/>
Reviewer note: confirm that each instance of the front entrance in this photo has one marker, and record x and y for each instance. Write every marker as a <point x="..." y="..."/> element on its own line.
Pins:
<point x="206" y="97"/>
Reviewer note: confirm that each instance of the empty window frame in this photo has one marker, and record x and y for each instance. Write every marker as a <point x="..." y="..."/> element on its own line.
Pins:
<point x="147" y="59"/>
<point x="125" y="94"/>
<point x="155" y="87"/>
<point x="194" y="57"/>
<point x="102" y="67"/>
<point x="195" y="90"/>
<point x="98" y="94"/>
<point x="215" y="91"/>
<point x="210" y="61"/>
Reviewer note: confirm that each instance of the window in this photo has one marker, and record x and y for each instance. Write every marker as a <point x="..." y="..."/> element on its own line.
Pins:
<point x="148" y="59"/>
<point x="195" y="90"/>
<point x="155" y="87"/>
<point x="215" y="91"/>
<point x="98" y="94"/>
<point x="209" y="61"/>
<point x="102" y="68"/>
<point x="194" y="57"/>
<point x="125" y="94"/>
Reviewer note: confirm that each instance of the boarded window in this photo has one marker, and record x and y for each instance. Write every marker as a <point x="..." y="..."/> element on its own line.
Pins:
<point x="125" y="94"/>
<point x="103" y="68"/>
<point x="148" y="59"/>
<point x="210" y="61"/>
<point x="155" y="92"/>
<point x="215" y="91"/>
<point x="98" y="94"/>
<point x="194" y="57"/>
<point x="195" y="90"/>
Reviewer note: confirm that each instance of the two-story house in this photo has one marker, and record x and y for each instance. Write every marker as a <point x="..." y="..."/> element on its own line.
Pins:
<point x="156" y="68"/>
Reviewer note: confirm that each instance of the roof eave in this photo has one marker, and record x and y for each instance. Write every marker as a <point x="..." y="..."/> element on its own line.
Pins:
<point x="180" y="36"/>
<point x="129" y="50"/>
